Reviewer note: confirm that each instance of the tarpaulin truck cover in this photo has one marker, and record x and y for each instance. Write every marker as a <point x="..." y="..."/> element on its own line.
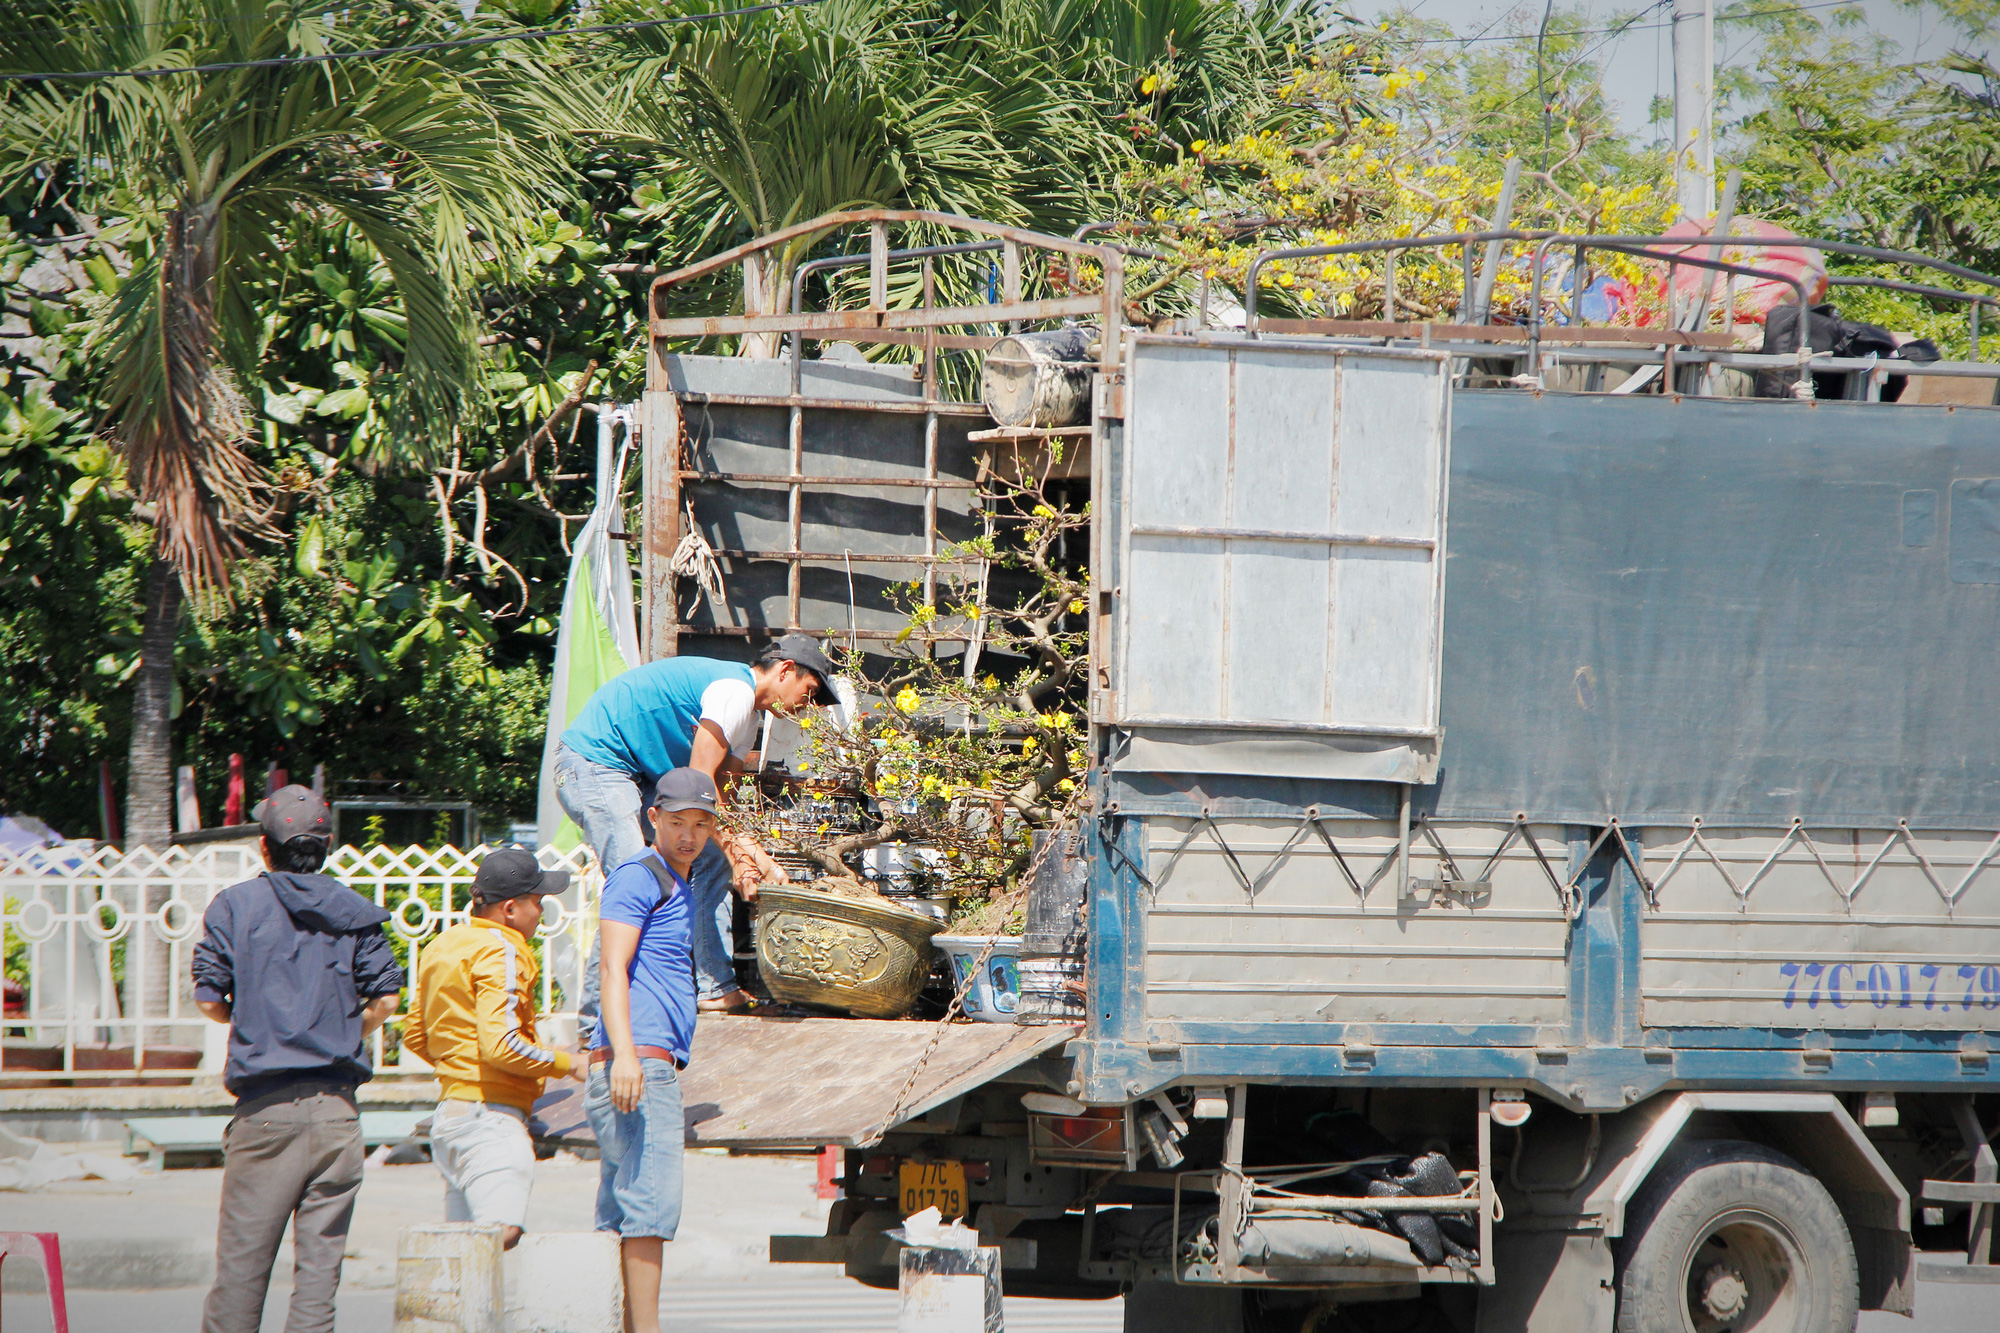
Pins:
<point x="1663" y="609"/>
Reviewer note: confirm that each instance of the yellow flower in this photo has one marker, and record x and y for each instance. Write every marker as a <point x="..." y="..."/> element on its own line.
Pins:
<point x="908" y="699"/>
<point x="1043" y="511"/>
<point x="824" y="826"/>
<point x="1029" y="745"/>
<point x="1152" y="82"/>
<point x="1284" y="279"/>
<point x="989" y="682"/>
<point x="1076" y="606"/>
<point x="1199" y="146"/>
<point x="1159" y="215"/>
<point x="1066" y="785"/>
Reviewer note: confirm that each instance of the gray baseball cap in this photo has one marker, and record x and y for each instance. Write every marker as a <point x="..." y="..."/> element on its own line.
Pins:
<point x="513" y="872"/>
<point x="682" y="789"/>
<point x="293" y="812"/>
<point x="803" y="653"/>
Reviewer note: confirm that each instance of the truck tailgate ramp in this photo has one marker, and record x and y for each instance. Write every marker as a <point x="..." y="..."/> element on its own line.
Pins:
<point x="804" y="1082"/>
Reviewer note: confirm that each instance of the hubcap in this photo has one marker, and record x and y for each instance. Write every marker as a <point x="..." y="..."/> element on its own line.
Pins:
<point x="1744" y="1276"/>
<point x="1724" y="1292"/>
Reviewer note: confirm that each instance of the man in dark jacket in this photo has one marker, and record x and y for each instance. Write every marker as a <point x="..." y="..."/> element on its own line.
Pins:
<point x="296" y="963"/>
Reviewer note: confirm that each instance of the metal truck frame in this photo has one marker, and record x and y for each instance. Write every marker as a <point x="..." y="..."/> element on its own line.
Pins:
<point x="1599" y="789"/>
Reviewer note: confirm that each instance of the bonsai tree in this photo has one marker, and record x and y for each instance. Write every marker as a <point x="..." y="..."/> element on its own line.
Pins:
<point x="965" y="755"/>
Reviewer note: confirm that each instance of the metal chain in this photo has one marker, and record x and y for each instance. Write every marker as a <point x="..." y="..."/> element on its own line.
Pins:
<point x="951" y="1011"/>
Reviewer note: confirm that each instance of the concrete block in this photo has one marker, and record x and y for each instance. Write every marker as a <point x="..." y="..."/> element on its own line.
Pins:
<point x="949" y="1291"/>
<point x="565" y="1282"/>
<point x="448" y="1279"/>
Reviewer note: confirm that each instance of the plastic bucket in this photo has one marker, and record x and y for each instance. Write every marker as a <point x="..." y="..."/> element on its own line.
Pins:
<point x="995" y="992"/>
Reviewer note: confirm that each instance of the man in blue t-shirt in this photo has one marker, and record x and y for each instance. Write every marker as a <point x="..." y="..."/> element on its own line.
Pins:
<point x="633" y="1095"/>
<point x="699" y="713"/>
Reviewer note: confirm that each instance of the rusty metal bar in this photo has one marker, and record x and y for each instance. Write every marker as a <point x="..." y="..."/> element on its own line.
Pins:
<point x="842" y="321"/>
<point x="952" y="342"/>
<point x="1010" y="279"/>
<point x="787" y="479"/>
<point x="829" y="221"/>
<point x="835" y="557"/>
<point x="930" y="442"/>
<point x="878" y="266"/>
<point x="1653" y="244"/>
<point x="913" y="406"/>
<point x="660" y="457"/>
<point x="1374" y="328"/>
<point x="751" y="631"/>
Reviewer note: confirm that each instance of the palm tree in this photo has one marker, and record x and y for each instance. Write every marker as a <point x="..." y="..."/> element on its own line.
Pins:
<point x="424" y="155"/>
<point x="772" y="119"/>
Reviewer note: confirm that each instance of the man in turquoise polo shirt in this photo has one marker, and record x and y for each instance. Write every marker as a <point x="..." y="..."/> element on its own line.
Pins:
<point x="692" y="712"/>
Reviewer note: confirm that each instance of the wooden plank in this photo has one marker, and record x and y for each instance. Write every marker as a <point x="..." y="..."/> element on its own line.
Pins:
<point x="806" y="1082"/>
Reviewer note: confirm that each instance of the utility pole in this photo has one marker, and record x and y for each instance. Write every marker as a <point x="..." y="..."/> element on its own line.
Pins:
<point x="1694" y="107"/>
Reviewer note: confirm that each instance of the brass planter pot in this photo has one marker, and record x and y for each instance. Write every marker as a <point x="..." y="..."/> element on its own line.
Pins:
<point x="843" y="953"/>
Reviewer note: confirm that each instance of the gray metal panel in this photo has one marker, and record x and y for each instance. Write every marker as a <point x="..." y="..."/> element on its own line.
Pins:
<point x="1839" y="930"/>
<point x="1279" y="534"/>
<point x="1306" y="948"/>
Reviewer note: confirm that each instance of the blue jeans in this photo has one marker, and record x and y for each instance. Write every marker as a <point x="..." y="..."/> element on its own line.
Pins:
<point x="639" y="1152"/>
<point x="604" y="802"/>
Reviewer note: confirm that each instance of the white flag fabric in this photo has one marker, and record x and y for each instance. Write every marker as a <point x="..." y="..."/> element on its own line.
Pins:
<point x="598" y="637"/>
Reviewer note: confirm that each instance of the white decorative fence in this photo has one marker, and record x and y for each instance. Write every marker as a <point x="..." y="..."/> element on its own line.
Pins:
<point x="98" y="945"/>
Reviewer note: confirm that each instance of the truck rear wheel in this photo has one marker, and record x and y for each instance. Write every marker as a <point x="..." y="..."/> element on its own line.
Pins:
<point x="1732" y="1237"/>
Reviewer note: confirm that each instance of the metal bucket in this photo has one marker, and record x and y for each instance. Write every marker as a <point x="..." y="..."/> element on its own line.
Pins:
<point x="869" y="959"/>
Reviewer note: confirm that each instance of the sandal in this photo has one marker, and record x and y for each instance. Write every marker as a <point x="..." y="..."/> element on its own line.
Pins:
<point x="736" y="1002"/>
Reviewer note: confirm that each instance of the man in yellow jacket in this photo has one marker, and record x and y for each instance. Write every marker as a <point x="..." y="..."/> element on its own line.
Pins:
<point x="472" y="1018"/>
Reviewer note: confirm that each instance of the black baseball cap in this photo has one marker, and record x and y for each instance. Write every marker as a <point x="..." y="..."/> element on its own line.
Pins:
<point x="513" y="872"/>
<point x="682" y="789"/>
<point x="293" y="812"/>
<point x="803" y="653"/>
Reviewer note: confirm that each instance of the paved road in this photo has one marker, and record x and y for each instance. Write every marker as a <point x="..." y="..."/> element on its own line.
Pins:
<point x="718" y="1279"/>
<point x="790" y="1304"/>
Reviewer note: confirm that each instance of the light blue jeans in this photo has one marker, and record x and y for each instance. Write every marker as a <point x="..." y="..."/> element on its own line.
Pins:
<point x="604" y="803"/>
<point x="639" y="1151"/>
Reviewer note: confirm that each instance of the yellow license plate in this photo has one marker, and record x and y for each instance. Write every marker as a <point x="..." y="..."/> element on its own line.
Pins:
<point x="939" y="1185"/>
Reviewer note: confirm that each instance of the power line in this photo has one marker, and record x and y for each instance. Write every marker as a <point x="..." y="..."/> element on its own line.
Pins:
<point x="415" y="48"/>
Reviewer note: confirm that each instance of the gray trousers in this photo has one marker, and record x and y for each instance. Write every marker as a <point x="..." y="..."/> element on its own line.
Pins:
<point x="291" y="1156"/>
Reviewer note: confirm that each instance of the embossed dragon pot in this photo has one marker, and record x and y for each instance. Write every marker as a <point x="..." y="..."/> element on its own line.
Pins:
<point x="867" y="958"/>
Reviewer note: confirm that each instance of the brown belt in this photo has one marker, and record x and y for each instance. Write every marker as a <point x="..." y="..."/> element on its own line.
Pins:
<point x="603" y="1053"/>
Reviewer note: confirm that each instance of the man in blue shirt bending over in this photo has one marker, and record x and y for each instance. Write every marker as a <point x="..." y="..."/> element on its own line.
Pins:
<point x="699" y="713"/>
<point x="633" y="1096"/>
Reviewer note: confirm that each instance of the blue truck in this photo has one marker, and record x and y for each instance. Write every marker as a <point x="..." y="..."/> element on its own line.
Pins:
<point x="1546" y="803"/>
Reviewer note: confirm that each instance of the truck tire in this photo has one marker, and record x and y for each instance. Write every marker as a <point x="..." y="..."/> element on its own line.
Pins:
<point x="1732" y="1237"/>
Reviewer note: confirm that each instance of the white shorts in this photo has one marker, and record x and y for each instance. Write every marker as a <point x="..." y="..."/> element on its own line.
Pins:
<point x="487" y="1160"/>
